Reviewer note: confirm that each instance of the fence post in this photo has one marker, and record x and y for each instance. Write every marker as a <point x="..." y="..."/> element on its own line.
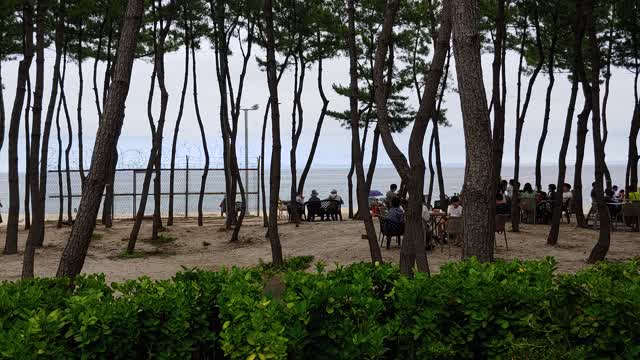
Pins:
<point x="258" y="186"/>
<point x="134" y="194"/>
<point x="186" y="191"/>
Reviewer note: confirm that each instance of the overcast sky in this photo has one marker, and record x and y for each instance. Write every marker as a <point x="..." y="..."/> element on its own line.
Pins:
<point x="334" y="146"/>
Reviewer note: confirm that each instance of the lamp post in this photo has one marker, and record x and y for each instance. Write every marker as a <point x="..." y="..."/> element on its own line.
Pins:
<point x="246" y="146"/>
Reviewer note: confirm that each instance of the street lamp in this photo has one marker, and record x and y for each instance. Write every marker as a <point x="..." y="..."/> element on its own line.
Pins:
<point x="246" y="146"/>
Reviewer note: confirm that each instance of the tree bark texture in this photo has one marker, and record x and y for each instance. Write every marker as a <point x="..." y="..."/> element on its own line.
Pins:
<point x="11" y="243"/>
<point x="274" y="191"/>
<point x="76" y="248"/>
<point x="478" y="191"/>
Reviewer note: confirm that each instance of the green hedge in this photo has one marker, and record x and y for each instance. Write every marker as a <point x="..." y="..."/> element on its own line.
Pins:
<point x="517" y="310"/>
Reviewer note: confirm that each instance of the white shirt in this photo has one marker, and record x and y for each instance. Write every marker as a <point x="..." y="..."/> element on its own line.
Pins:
<point x="455" y="211"/>
<point x="567" y="195"/>
<point x="509" y="190"/>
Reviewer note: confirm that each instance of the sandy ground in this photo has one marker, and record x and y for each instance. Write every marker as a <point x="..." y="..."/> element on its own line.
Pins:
<point x="207" y="247"/>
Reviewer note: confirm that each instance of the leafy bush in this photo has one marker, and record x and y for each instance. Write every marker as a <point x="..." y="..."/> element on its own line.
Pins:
<point x="515" y="310"/>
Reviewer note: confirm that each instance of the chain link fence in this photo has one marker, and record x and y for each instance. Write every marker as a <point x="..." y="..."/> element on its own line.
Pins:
<point x="128" y="185"/>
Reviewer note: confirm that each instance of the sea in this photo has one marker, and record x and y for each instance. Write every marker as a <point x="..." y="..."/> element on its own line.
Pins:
<point x="129" y="182"/>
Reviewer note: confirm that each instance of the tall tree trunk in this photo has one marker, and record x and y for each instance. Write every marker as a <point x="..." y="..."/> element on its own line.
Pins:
<point x="431" y="170"/>
<point x="412" y="252"/>
<point x="296" y="129"/>
<point x="59" y="138"/>
<point x="27" y="155"/>
<point x="218" y="15"/>
<point x="601" y="248"/>
<point x="203" y="135"/>
<point x="265" y="216"/>
<point x="631" y="178"/>
<point x="2" y="113"/>
<point x="148" y="172"/>
<point x="316" y="135"/>
<point x="265" y="219"/>
<point x="37" y="228"/>
<point x="83" y="177"/>
<point x="67" y="152"/>
<point x="605" y="98"/>
<point x="497" y="99"/>
<point x="76" y="248"/>
<point x="274" y="237"/>
<point x="436" y="132"/>
<point x="356" y="153"/>
<point x="552" y="238"/>
<point x="479" y="186"/>
<point x="176" y="130"/>
<point x="44" y="156"/>
<point x="583" y="121"/>
<point x="522" y="113"/>
<point x="96" y="59"/>
<point x="165" y="27"/>
<point x="547" y="104"/>
<point x="11" y="244"/>
<point x="107" y="204"/>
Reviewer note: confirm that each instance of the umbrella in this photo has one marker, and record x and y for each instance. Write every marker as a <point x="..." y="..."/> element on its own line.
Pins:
<point x="374" y="193"/>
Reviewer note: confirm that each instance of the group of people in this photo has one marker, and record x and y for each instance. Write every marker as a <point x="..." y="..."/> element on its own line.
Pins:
<point x="395" y="215"/>
<point x="543" y="200"/>
<point x="315" y="197"/>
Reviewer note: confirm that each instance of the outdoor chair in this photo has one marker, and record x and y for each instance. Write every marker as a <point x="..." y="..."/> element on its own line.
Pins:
<point x="501" y="221"/>
<point x="455" y="227"/>
<point x="442" y="205"/>
<point x="389" y="229"/>
<point x="314" y="208"/>
<point x="223" y="207"/>
<point x="331" y="209"/>
<point x="299" y="208"/>
<point x="528" y="211"/>
<point x="631" y="214"/>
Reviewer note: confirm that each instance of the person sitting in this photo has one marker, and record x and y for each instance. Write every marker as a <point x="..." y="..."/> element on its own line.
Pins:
<point x="527" y="192"/>
<point x="615" y="188"/>
<point x="612" y="203"/>
<point x="455" y="209"/>
<point x="391" y="194"/>
<point x="566" y="192"/>
<point x="510" y="188"/>
<point x="300" y="198"/>
<point x="394" y="221"/>
<point x="621" y="196"/>
<point x="543" y="208"/>
<point x="395" y="214"/>
<point x="314" y="196"/>
<point x="335" y="197"/>
<point x="502" y="207"/>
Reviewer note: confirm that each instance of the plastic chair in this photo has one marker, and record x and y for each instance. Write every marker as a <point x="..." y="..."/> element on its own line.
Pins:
<point x="631" y="211"/>
<point x="389" y="229"/>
